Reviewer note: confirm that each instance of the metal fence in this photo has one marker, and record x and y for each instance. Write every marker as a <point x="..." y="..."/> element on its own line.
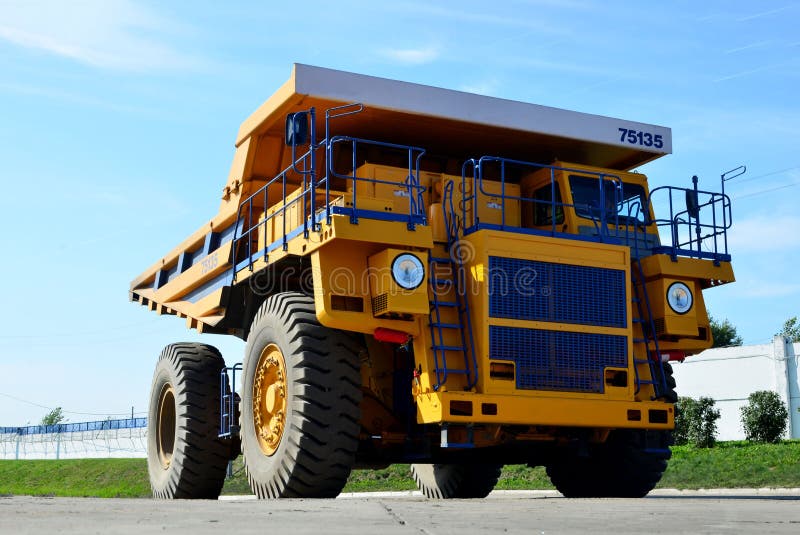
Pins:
<point x="103" y="438"/>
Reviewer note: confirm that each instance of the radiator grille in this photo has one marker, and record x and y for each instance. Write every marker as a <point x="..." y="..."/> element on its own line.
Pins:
<point x="380" y="304"/>
<point x="561" y="293"/>
<point x="558" y="360"/>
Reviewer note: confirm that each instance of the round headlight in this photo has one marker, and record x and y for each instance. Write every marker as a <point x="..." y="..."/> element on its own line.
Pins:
<point x="679" y="297"/>
<point x="407" y="271"/>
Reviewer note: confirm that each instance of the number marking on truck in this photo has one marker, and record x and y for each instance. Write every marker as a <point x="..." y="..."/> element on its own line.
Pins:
<point x="209" y="263"/>
<point x="639" y="137"/>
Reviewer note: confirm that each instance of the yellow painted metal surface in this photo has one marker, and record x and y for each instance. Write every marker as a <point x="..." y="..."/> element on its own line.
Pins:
<point x="542" y="409"/>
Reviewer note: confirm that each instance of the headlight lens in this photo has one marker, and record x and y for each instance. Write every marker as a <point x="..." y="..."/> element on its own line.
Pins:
<point x="679" y="297"/>
<point x="407" y="271"/>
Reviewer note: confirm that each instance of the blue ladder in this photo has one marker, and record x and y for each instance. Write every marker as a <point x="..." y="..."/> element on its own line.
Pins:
<point x="649" y="337"/>
<point x="229" y="399"/>
<point x="450" y="314"/>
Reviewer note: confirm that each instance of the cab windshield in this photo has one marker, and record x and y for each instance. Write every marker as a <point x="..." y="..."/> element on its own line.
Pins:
<point x="624" y="205"/>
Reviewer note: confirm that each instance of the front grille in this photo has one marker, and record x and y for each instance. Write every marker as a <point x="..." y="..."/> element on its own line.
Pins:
<point x="559" y="293"/>
<point x="380" y="304"/>
<point x="558" y="360"/>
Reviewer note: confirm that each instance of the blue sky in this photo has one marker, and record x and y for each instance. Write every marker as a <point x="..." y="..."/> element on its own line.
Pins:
<point x="117" y="123"/>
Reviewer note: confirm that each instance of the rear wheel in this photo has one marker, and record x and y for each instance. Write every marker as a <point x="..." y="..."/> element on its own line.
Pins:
<point x="671" y="395"/>
<point x="300" y="402"/>
<point x="445" y="481"/>
<point x="185" y="457"/>
<point x="629" y="465"/>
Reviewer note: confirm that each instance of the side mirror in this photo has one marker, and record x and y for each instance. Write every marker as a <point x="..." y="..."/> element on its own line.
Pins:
<point x="692" y="204"/>
<point x="297" y="129"/>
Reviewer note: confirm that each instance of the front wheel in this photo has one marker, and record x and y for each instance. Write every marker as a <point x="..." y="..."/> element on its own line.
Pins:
<point x="300" y="402"/>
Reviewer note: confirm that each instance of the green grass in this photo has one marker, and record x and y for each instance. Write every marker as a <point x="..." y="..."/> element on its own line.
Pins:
<point x="728" y="465"/>
<point x="104" y="478"/>
<point x="734" y="465"/>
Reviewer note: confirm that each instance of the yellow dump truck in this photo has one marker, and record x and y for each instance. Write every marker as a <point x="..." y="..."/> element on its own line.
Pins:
<point x="438" y="278"/>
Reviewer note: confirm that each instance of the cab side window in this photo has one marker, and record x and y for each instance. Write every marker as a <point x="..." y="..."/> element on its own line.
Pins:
<point x="543" y="206"/>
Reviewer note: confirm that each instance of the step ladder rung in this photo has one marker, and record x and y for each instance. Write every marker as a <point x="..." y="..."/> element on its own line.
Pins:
<point x="447" y="348"/>
<point x="446" y="325"/>
<point x="444" y="304"/>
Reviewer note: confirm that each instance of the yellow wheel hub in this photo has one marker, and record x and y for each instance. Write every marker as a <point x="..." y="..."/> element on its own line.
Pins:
<point x="165" y="430"/>
<point x="269" y="399"/>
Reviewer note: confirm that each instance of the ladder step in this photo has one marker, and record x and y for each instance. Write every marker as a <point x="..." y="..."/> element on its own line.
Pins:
<point x="446" y="325"/>
<point x="444" y="304"/>
<point x="443" y="282"/>
<point x="441" y="260"/>
<point x="447" y="348"/>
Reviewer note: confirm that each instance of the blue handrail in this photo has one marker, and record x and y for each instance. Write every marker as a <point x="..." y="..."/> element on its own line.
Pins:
<point x="690" y="233"/>
<point x="303" y="172"/>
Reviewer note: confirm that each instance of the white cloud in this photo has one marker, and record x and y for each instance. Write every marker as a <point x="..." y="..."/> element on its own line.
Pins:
<point x="112" y="34"/>
<point x="764" y="234"/>
<point x="491" y="17"/>
<point x="770" y="289"/>
<point x="411" y="56"/>
<point x="759" y="44"/>
<point x="766" y="13"/>
<point x="482" y="87"/>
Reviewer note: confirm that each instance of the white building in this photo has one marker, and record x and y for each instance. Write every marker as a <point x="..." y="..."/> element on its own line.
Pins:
<point x="730" y="374"/>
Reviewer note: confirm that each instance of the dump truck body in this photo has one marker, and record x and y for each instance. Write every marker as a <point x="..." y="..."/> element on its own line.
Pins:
<point x="495" y="272"/>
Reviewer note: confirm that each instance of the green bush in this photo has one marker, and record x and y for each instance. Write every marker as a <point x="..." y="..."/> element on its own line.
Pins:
<point x="680" y="434"/>
<point x="764" y="417"/>
<point x="695" y="422"/>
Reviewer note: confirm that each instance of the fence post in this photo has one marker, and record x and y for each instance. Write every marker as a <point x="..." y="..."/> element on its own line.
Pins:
<point x="19" y="435"/>
<point x="58" y="442"/>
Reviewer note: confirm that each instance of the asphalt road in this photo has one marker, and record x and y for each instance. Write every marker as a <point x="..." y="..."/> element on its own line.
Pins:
<point x="523" y="512"/>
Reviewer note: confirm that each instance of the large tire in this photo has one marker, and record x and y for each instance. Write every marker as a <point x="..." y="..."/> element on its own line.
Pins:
<point x="444" y="481"/>
<point x="671" y="395"/>
<point x="300" y="402"/>
<point x="629" y="465"/>
<point x="185" y="457"/>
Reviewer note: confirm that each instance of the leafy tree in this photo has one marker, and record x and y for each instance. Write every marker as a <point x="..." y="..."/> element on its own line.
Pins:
<point x="55" y="416"/>
<point x="724" y="333"/>
<point x="682" y="409"/>
<point x="764" y="417"/>
<point x="696" y="422"/>
<point x="791" y="330"/>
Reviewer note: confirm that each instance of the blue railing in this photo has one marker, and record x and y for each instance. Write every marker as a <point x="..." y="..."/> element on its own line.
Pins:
<point x="253" y="217"/>
<point x="100" y="425"/>
<point x="314" y="198"/>
<point x="698" y="222"/>
<point x="697" y="229"/>
<point x="596" y="211"/>
<point x="414" y="191"/>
